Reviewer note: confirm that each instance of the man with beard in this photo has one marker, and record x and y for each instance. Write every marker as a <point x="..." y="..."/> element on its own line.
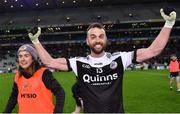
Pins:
<point x="100" y="74"/>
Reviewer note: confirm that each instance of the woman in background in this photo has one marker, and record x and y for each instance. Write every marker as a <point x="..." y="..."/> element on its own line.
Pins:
<point x="34" y="86"/>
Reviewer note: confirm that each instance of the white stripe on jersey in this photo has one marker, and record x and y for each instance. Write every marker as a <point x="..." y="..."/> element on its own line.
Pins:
<point x="126" y="57"/>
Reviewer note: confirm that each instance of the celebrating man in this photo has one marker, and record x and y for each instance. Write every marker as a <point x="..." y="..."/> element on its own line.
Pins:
<point x="100" y="74"/>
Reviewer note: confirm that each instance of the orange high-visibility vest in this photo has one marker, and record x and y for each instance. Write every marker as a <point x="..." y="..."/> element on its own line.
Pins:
<point x="33" y="96"/>
<point x="174" y="66"/>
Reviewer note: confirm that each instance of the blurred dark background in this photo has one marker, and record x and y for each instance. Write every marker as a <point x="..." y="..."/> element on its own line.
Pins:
<point x="130" y="25"/>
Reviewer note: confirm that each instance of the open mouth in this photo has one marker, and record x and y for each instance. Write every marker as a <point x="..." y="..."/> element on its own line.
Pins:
<point x="98" y="46"/>
<point x="23" y="63"/>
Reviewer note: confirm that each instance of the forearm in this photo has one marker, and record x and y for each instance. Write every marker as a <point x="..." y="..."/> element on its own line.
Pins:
<point x="47" y="60"/>
<point x="12" y="100"/>
<point x="43" y="54"/>
<point x="156" y="47"/>
<point x="52" y="84"/>
<point x="10" y="105"/>
<point x="160" y="42"/>
<point x="60" y="98"/>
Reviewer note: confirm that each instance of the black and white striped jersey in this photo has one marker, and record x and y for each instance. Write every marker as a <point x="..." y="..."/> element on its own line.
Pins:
<point x="101" y="80"/>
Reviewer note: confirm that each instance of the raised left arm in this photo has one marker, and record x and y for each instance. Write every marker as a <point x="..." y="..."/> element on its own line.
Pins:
<point x="161" y="40"/>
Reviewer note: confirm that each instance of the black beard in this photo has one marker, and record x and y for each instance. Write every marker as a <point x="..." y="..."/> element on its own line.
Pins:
<point x="98" y="52"/>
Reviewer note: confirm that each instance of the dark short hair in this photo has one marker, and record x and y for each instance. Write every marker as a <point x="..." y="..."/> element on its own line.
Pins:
<point x="95" y="25"/>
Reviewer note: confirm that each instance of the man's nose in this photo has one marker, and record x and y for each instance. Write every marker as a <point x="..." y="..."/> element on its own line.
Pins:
<point x="97" y="39"/>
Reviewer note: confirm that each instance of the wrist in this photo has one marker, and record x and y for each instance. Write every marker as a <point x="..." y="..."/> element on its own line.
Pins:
<point x="35" y="41"/>
<point x="169" y="24"/>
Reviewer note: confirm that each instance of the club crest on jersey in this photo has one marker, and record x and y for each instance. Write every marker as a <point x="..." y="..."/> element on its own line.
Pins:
<point x="25" y="86"/>
<point x="113" y="65"/>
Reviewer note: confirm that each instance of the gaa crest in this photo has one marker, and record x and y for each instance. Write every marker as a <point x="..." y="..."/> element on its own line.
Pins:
<point x="113" y="65"/>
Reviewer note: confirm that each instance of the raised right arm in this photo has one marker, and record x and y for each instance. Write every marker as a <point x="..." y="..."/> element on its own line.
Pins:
<point x="47" y="60"/>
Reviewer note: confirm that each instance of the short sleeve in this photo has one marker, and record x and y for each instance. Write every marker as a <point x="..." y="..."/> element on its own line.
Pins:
<point x="73" y="65"/>
<point x="127" y="58"/>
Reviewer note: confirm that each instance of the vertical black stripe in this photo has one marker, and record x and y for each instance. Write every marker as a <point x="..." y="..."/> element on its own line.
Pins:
<point x="68" y="65"/>
<point x="134" y="57"/>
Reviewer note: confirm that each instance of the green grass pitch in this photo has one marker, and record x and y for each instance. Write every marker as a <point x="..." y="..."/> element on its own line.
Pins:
<point x="144" y="91"/>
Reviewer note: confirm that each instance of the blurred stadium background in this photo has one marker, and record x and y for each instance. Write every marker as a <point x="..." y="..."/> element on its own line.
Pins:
<point x="130" y="25"/>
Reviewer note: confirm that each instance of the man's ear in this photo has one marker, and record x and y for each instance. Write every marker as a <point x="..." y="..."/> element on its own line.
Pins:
<point x="87" y="41"/>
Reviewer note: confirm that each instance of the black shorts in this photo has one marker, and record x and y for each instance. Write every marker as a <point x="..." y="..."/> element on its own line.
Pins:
<point x="174" y="74"/>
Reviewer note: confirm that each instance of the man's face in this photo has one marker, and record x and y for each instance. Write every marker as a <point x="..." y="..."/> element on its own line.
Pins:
<point x="25" y="59"/>
<point x="96" y="40"/>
